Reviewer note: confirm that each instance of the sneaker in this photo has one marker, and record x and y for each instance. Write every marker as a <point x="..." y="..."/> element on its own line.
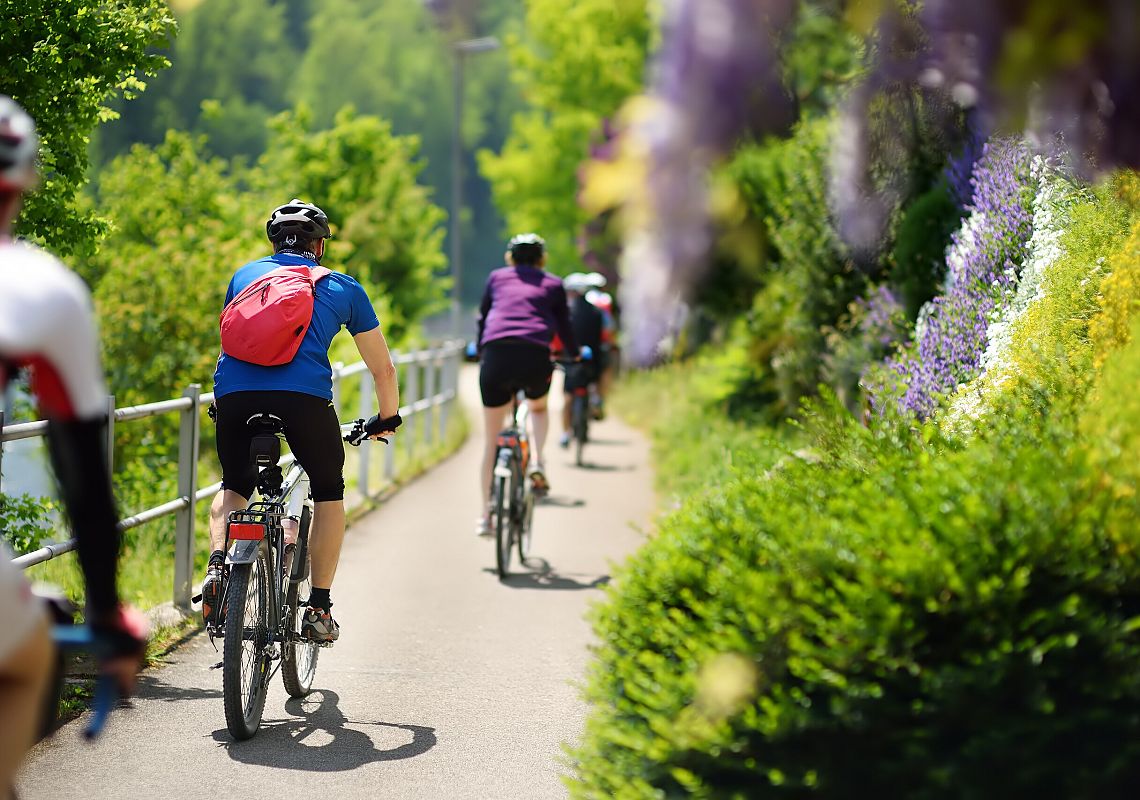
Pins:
<point x="564" y="440"/>
<point x="213" y="589"/>
<point x="538" y="479"/>
<point x="483" y="527"/>
<point x="318" y="625"/>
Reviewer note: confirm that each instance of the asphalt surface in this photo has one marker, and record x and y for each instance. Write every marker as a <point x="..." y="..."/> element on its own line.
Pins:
<point x="446" y="683"/>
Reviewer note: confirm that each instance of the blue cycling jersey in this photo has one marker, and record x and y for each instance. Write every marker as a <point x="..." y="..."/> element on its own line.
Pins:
<point x="339" y="301"/>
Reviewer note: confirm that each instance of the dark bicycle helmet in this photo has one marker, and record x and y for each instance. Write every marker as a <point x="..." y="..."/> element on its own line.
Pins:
<point x="297" y="218"/>
<point x="526" y="248"/>
<point x="18" y="146"/>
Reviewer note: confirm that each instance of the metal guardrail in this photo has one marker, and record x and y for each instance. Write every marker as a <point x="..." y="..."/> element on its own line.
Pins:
<point x="430" y="384"/>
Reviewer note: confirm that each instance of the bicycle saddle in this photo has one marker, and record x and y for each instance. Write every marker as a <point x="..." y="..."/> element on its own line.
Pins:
<point x="265" y="446"/>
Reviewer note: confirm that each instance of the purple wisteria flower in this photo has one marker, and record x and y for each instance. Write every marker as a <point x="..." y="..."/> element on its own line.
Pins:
<point x="715" y="77"/>
<point x="982" y="263"/>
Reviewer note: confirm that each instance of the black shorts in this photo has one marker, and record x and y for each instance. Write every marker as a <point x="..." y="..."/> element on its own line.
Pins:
<point x="509" y="365"/>
<point x="580" y="375"/>
<point x="311" y="429"/>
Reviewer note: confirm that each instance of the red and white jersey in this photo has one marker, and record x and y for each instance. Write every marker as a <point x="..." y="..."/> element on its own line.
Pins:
<point x="47" y="324"/>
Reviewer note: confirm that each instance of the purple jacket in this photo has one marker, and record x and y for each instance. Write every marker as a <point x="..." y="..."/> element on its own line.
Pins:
<point x="525" y="303"/>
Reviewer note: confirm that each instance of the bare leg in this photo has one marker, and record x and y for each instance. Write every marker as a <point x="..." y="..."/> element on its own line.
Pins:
<point x="541" y="418"/>
<point x="23" y="681"/>
<point x="325" y="539"/>
<point x="567" y="403"/>
<point x="225" y="502"/>
<point x="492" y="424"/>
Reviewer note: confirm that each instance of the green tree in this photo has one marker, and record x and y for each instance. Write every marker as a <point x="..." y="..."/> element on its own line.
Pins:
<point x="63" y="61"/>
<point x="577" y="65"/>
<point x="388" y="232"/>
<point x="181" y="228"/>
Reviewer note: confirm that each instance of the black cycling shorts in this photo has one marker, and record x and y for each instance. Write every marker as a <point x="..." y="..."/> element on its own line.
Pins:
<point x="508" y="365"/>
<point x="311" y="429"/>
<point x="580" y="375"/>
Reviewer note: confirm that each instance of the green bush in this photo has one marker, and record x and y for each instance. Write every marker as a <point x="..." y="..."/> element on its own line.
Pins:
<point x="884" y="616"/>
<point x="919" y="257"/>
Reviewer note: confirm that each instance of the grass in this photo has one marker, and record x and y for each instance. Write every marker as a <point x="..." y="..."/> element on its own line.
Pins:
<point x="696" y="443"/>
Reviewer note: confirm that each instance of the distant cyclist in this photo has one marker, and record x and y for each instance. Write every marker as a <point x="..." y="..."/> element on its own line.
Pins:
<point x="522" y="308"/>
<point x="609" y="355"/>
<point x="47" y="327"/>
<point x="588" y="323"/>
<point x="299" y="392"/>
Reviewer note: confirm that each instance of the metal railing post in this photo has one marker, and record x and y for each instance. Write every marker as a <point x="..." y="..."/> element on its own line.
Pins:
<point x="430" y="389"/>
<point x="111" y="434"/>
<point x="444" y="385"/>
<point x="188" y="426"/>
<point x="413" y="398"/>
<point x="365" y="455"/>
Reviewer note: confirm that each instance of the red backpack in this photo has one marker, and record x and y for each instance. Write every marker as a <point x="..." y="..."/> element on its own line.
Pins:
<point x="266" y="322"/>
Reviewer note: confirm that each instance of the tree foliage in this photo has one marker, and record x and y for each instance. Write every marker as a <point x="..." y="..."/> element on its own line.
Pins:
<point x="63" y="61"/>
<point x="576" y="66"/>
<point x="389" y="234"/>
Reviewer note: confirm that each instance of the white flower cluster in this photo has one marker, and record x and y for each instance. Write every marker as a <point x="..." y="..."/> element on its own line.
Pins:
<point x="1055" y="195"/>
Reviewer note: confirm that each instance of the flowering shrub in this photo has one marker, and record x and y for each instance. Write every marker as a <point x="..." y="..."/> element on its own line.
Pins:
<point x="873" y="325"/>
<point x="982" y="264"/>
<point x="1120" y="292"/>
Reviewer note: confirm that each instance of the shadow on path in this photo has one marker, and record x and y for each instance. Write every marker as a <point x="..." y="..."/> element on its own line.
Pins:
<point x="543" y="576"/>
<point x="561" y="501"/>
<point x="589" y="465"/>
<point x="151" y="688"/>
<point x="335" y="748"/>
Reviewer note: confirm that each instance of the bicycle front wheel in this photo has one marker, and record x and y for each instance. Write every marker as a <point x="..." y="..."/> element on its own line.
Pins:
<point x="524" y="533"/>
<point x="299" y="656"/>
<point x="245" y="653"/>
<point x="502" y="527"/>
<point x="580" y="413"/>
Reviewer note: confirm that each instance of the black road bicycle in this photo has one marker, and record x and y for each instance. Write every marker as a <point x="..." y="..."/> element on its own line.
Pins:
<point x="577" y="375"/>
<point x="512" y="496"/>
<point x="268" y="585"/>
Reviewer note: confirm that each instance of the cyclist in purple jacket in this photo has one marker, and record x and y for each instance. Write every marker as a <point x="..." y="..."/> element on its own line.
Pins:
<point x="523" y="307"/>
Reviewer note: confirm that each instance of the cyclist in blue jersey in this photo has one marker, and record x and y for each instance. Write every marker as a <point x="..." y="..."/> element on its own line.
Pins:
<point x="300" y="394"/>
<point x="523" y="307"/>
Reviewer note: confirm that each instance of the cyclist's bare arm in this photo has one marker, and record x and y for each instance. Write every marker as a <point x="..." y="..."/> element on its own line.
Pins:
<point x="374" y="350"/>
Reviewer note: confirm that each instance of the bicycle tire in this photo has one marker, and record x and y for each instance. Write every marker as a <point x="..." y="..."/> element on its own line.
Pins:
<point x="298" y="656"/>
<point x="245" y="670"/>
<point x="502" y="528"/>
<point x="524" y="536"/>
<point x="580" y="416"/>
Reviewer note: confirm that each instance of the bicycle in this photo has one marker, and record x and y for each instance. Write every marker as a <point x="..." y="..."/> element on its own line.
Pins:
<point x="512" y="496"/>
<point x="577" y="375"/>
<point x="267" y="585"/>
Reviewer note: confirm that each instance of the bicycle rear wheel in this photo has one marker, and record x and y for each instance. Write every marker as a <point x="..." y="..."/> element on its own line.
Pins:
<point x="501" y="503"/>
<point x="299" y="656"/>
<point x="245" y="653"/>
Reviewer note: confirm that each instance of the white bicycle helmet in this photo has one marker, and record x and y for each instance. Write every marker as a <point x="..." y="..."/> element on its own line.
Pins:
<point x="18" y="147"/>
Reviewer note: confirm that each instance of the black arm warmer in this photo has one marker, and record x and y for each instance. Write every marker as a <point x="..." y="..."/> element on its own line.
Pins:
<point x="78" y="451"/>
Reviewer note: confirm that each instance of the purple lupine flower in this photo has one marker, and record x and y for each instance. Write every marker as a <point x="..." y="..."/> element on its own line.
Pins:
<point x="716" y="76"/>
<point x="982" y="262"/>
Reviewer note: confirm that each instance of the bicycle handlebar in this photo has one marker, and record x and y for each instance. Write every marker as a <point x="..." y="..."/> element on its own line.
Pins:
<point x="82" y="637"/>
<point x="362" y="430"/>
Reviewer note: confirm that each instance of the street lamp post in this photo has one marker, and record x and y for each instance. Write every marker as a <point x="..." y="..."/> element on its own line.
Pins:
<point x="460" y="50"/>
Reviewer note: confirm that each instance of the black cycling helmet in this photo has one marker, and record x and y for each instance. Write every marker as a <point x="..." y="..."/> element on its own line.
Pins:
<point x="526" y="248"/>
<point x="18" y="146"/>
<point x="297" y="218"/>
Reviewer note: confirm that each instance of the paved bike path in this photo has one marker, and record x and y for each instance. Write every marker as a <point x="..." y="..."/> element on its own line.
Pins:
<point x="446" y="683"/>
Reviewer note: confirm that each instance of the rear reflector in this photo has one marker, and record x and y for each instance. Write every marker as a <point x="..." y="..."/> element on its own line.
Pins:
<point x="247" y="530"/>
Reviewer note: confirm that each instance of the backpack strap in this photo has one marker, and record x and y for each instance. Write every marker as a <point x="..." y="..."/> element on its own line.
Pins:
<point x="318" y="273"/>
